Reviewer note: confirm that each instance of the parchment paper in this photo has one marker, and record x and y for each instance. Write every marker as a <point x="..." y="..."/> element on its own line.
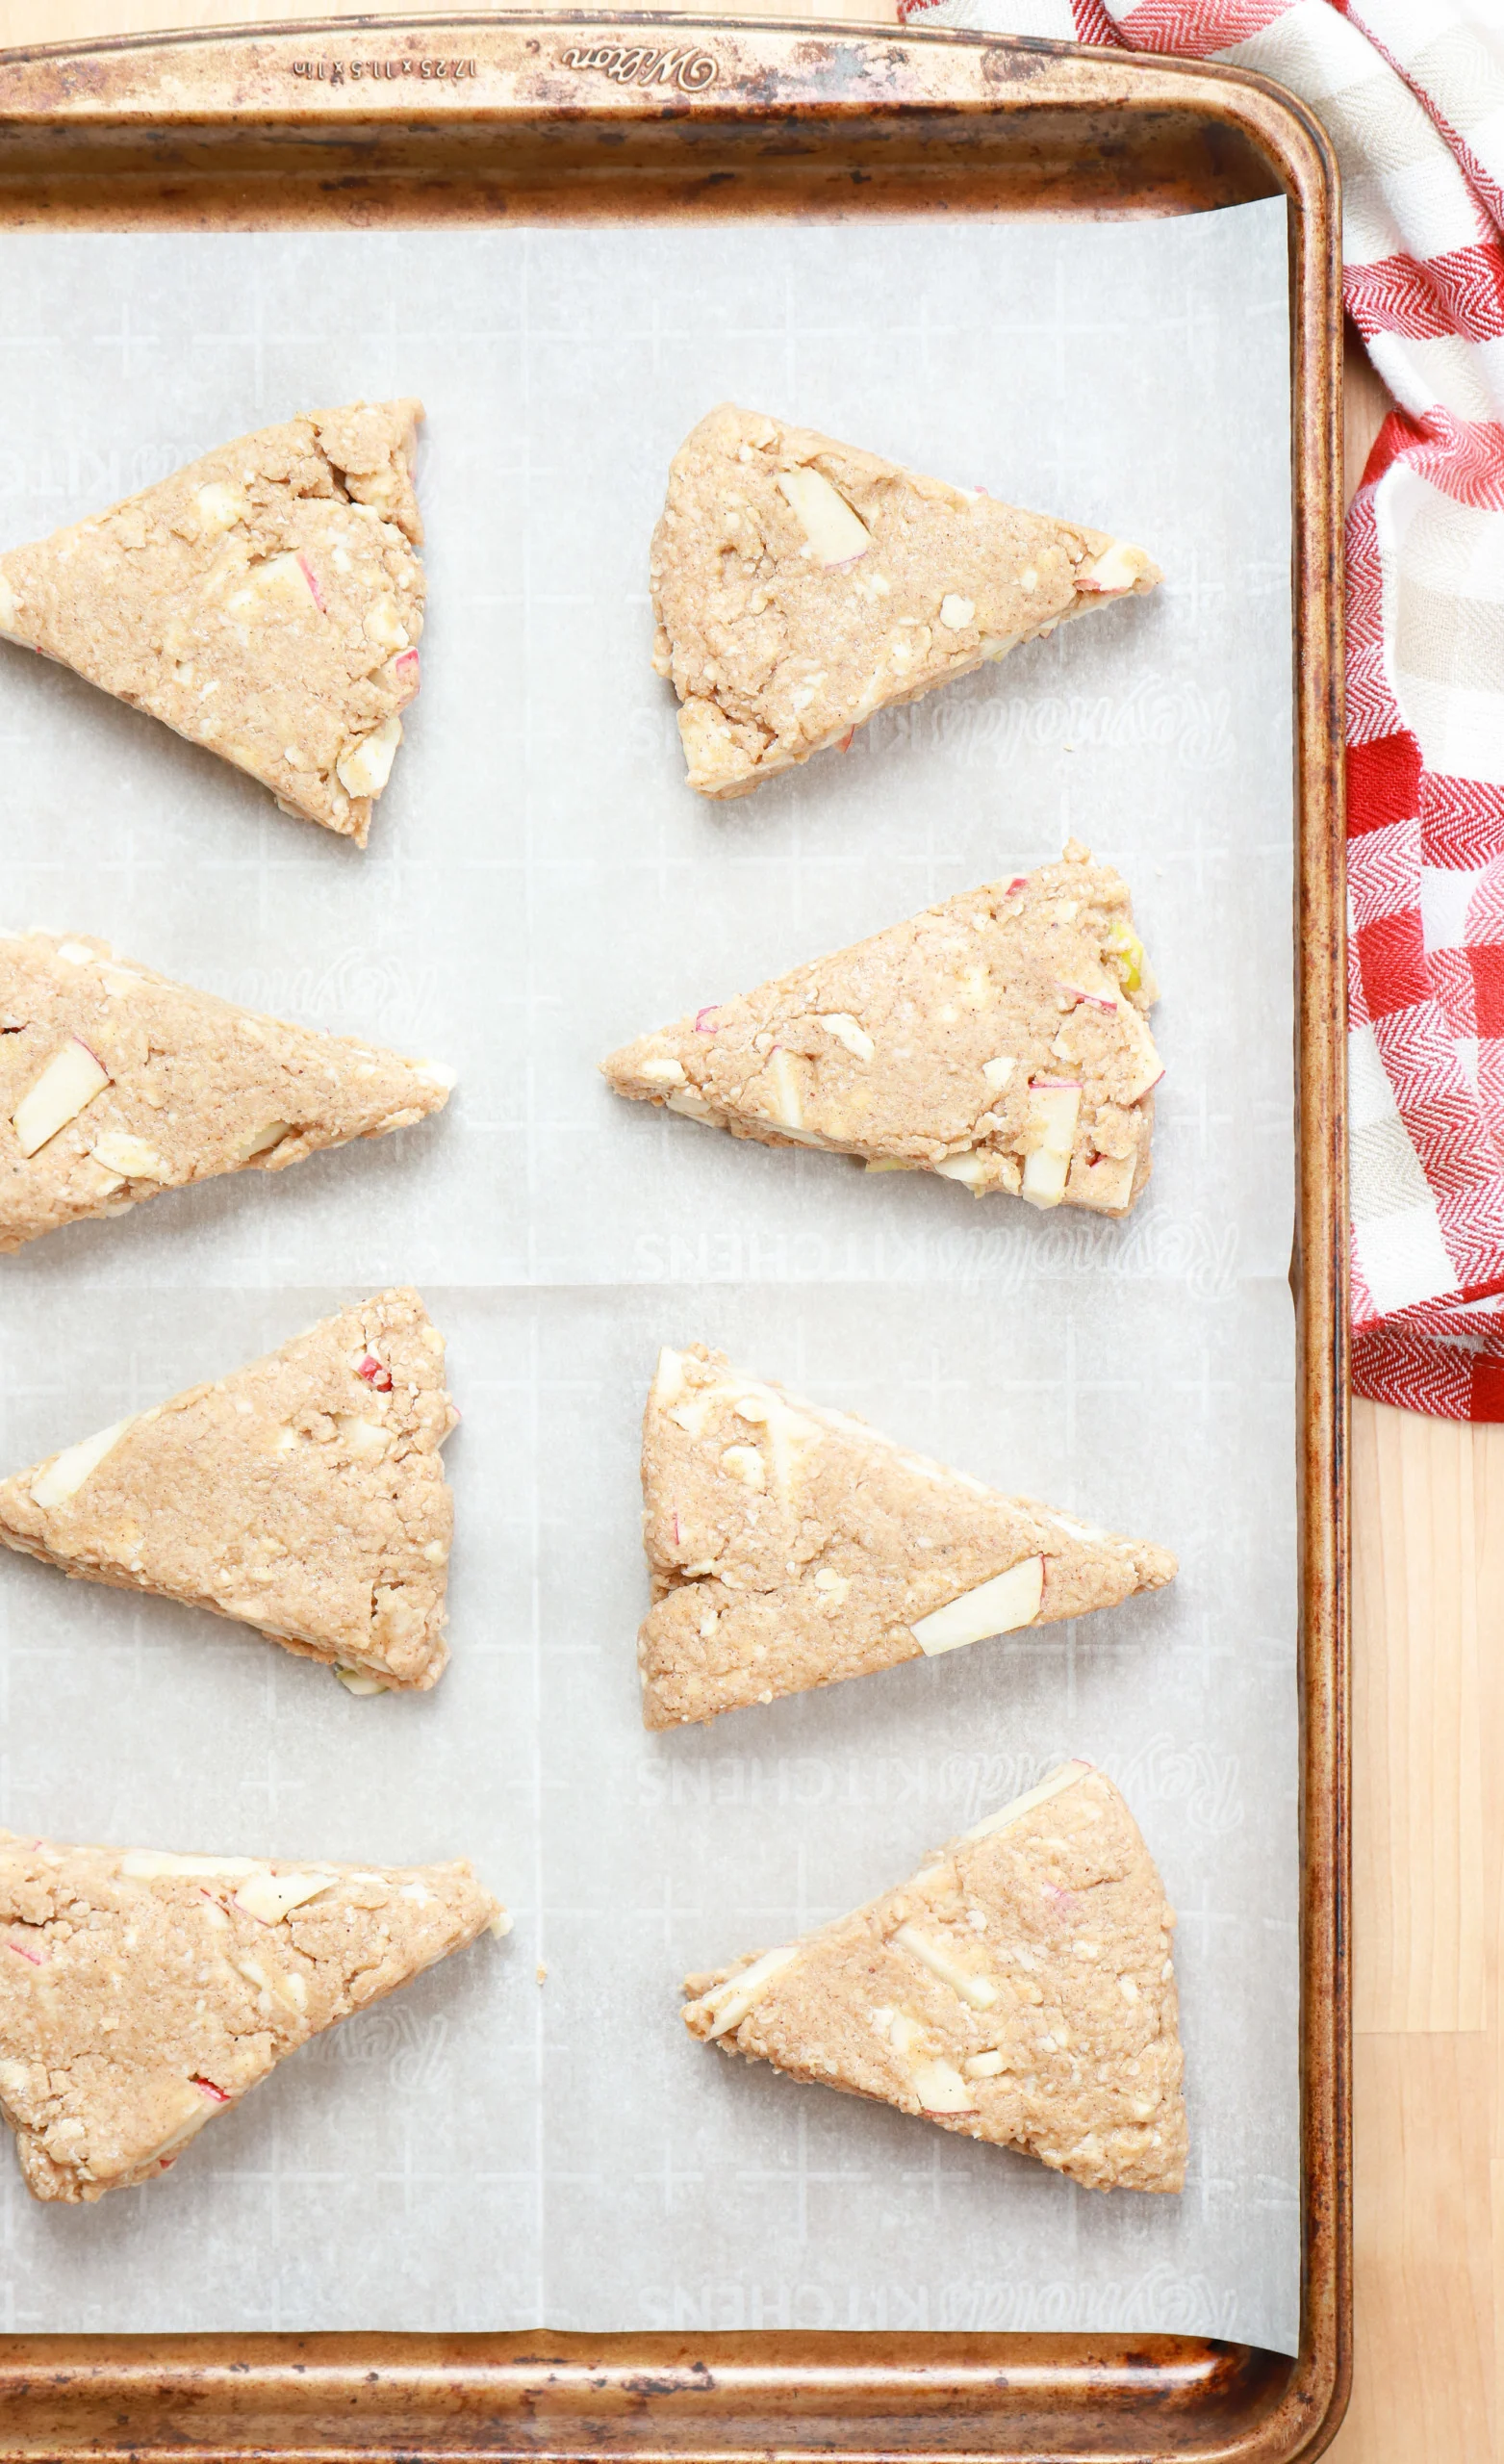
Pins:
<point x="496" y="2148"/>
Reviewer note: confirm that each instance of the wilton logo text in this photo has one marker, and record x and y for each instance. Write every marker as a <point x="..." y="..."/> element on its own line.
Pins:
<point x="690" y="70"/>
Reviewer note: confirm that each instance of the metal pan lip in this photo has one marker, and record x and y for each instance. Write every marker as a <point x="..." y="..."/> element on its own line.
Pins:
<point x="202" y="98"/>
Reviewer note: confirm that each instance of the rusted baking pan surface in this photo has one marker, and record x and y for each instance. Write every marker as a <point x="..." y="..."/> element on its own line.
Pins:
<point x="470" y="118"/>
<point x="454" y="119"/>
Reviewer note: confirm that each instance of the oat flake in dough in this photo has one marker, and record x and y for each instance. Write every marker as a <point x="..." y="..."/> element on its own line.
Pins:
<point x="303" y="1496"/>
<point x="799" y="584"/>
<point x="791" y="1545"/>
<point x="115" y="1084"/>
<point x="1000" y="1039"/>
<point x="1019" y="1990"/>
<point x="142" y="1992"/>
<point x="265" y="602"/>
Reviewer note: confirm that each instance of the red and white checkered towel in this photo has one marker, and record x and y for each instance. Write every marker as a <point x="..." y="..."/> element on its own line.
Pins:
<point x="1412" y="93"/>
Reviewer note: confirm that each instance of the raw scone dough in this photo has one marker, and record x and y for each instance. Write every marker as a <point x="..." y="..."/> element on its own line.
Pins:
<point x="999" y="1038"/>
<point x="799" y="584"/>
<point x="115" y="1083"/>
<point x="790" y="1546"/>
<point x="143" y="1992"/>
<point x="1019" y="1990"/>
<point x="265" y="602"/>
<point x="303" y="1495"/>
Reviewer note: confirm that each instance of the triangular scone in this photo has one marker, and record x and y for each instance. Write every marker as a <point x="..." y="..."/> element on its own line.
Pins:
<point x="142" y="1992"/>
<point x="1019" y="1990"/>
<point x="791" y="1545"/>
<point x="801" y="584"/>
<point x="265" y="602"/>
<point x="999" y="1038"/>
<point x="115" y="1084"/>
<point x="303" y="1495"/>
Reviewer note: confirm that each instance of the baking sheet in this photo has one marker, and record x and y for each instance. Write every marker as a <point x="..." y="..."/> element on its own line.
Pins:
<point x="528" y="2136"/>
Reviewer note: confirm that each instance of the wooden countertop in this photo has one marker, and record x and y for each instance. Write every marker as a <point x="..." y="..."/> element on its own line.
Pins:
<point x="1428" y="1697"/>
<point x="1428" y="1593"/>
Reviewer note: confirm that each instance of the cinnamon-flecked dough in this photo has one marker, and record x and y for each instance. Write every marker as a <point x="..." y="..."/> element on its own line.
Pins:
<point x="303" y="1496"/>
<point x="142" y="1992"/>
<point x="265" y="602"/>
<point x="1019" y="1988"/>
<point x="116" y="1083"/>
<point x="1000" y="1039"/>
<point x="799" y="584"/>
<point x="790" y="1546"/>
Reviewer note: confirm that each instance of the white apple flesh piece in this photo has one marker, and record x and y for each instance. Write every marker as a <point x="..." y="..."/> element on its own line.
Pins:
<point x="668" y="1380"/>
<point x="119" y="1152"/>
<point x="1127" y="946"/>
<point x="1064" y="1776"/>
<point x="970" y="1170"/>
<point x="1107" y="1181"/>
<point x="221" y="506"/>
<point x="732" y="2000"/>
<point x="1099" y="996"/>
<point x="846" y="1030"/>
<point x="1117" y="568"/>
<point x="364" y="771"/>
<point x="359" y="1681"/>
<point x="1054" y="1108"/>
<point x="188" y="2128"/>
<point x="11" y="615"/>
<point x="291" y="575"/>
<point x="1000" y="1606"/>
<point x="788" y="1103"/>
<point x="976" y="1989"/>
<point x="688" y="1104"/>
<point x="260" y="1141"/>
<point x="940" y="2088"/>
<point x="835" y="534"/>
<point x="64" y="1475"/>
<point x="72" y="1078"/>
<point x="1147" y="1068"/>
<point x="269" y="1897"/>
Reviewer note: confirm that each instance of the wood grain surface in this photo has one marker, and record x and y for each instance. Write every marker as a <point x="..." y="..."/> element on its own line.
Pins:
<point x="1428" y="1898"/>
<point x="1428" y="1724"/>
